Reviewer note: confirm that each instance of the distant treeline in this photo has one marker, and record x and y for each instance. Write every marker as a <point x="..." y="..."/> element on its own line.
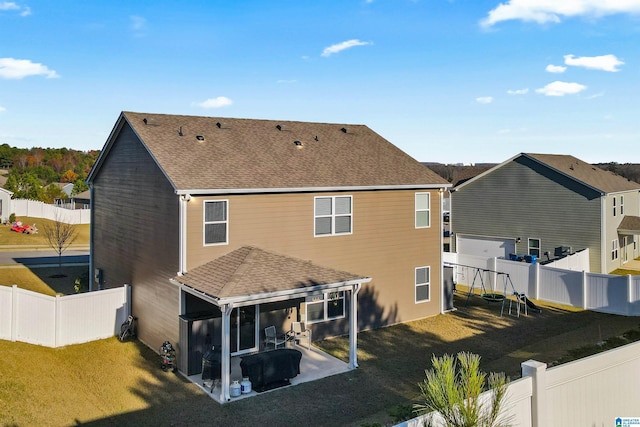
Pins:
<point x="457" y="174"/>
<point x="34" y="173"/>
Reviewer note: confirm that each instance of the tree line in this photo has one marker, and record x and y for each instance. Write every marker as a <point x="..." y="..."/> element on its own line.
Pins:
<point x="33" y="173"/>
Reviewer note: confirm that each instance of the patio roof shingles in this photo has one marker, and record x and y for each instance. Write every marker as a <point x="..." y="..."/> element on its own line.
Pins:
<point x="250" y="271"/>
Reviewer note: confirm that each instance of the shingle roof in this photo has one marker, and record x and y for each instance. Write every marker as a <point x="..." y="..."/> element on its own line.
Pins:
<point x="250" y="270"/>
<point x="629" y="225"/>
<point x="598" y="178"/>
<point x="262" y="154"/>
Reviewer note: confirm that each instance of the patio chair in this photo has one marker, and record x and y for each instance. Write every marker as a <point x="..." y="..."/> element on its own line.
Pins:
<point x="271" y="337"/>
<point x="299" y="331"/>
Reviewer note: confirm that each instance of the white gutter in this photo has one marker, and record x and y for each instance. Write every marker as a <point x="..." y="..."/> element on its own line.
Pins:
<point x="244" y="300"/>
<point x="216" y="191"/>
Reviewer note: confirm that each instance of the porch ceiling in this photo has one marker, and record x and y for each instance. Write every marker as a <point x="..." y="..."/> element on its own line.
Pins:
<point x="253" y="274"/>
<point x="630" y="225"/>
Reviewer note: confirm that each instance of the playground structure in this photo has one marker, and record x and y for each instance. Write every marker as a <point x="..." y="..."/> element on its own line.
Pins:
<point x="520" y="302"/>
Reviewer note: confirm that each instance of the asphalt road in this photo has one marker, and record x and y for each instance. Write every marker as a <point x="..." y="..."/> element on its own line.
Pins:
<point x="43" y="257"/>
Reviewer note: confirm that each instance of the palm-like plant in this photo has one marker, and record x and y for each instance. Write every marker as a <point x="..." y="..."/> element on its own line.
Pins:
<point x="453" y="387"/>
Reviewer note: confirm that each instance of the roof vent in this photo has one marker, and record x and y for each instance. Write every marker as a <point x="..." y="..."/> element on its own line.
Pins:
<point x="219" y="125"/>
<point x="298" y="144"/>
<point x="145" y="120"/>
<point x="180" y="131"/>
<point x="200" y="137"/>
<point x="315" y="138"/>
<point x="278" y="127"/>
<point x="344" y="130"/>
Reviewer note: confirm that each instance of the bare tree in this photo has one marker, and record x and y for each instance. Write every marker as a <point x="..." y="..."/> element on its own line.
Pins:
<point x="60" y="235"/>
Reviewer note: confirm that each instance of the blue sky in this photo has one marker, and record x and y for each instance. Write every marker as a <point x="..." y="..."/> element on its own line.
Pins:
<point x="450" y="81"/>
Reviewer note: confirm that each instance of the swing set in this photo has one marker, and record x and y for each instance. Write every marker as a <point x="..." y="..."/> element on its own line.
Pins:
<point x="519" y="304"/>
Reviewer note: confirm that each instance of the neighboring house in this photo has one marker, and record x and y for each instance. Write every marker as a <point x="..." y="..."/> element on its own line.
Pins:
<point x="225" y="226"/>
<point x="5" y="205"/>
<point x="548" y="205"/>
<point x="66" y="187"/>
<point x="81" y="200"/>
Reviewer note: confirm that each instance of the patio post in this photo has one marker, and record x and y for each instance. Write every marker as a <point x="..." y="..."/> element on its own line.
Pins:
<point x="225" y="352"/>
<point x="353" y="326"/>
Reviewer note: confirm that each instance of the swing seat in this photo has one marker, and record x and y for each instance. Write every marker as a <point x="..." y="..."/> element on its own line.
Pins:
<point x="493" y="297"/>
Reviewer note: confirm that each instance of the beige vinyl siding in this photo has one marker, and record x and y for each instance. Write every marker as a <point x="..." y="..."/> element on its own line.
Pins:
<point x="384" y="245"/>
<point x="522" y="199"/>
<point x="135" y="238"/>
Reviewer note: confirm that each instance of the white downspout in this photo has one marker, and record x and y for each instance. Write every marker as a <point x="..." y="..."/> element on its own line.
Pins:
<point x="603" y="234"/>
<point x="440" y="221"/>
<point x="353" y="326"/>
<point x="91" y="227"/>
<point x="182" y="262"/>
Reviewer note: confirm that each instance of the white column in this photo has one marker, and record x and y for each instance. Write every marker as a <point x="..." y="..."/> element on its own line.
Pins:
<point x="225" y="363"/>
<point x="353" y="327"/>
<point x="537" y="371"/>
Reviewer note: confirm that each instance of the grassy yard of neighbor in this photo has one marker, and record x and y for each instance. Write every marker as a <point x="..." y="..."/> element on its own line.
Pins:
<point x="109" y="383"/>
<point x="8" y="237"/>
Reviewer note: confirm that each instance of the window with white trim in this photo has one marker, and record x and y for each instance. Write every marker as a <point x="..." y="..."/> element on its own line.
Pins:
<point x="423" y="210"/>
<point x="216" y="223"/>
<point x="614" y="249"/>
<point x="332" y="215"/>
<point x="614" y="205"/>
<point x="423" y="281"/>
<point x="325" y="307"/>
<point x="621" y="205"/>
<point x="534" y="247"/>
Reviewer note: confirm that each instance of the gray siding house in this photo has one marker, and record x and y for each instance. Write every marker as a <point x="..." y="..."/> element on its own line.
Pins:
<point x="547" y="205"/>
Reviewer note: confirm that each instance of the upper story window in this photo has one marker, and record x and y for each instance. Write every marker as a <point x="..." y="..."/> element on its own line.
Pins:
<point x="614" y="250"/>
<point x="621" y="205"/>
<point x="423" y="210"/>
<point x="614" y="205"/>
<point x="216" y="222"/>
<point x="333" y="215"/>
<point x="534" y="247"/>
<point x="423" y="284"/>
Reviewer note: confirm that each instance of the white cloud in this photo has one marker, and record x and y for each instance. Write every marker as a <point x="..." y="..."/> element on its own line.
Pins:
<point x="219" y="102"/>
<point x="484" y="99"/>
<point x="555" y="68"/>
<point x="603" y="62"/>
<point x="9" y="5"/>
<point x="2" y="109"/>
<point x="558" y="88"/>
<point x="553" y="11"/>
<point x="339" y="47"/>
<point x="518" y="91"/>
<point x="138" y="25"/>
<point x="11" y="68"/>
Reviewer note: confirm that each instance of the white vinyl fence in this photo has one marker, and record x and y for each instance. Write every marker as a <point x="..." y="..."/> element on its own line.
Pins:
<point x="604" y="293"/>
<point x="37" y="209"/>
<point x="593" y="391"/>
<point x="35" y="318"/>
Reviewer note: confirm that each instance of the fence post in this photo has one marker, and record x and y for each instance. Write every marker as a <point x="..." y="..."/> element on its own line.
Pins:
<point x="57" y="326"/>
<point x="585" y="299"/>
<point x="630" y="296"/>
<point x="14" y="313"/>
<point x="537" y="371"/>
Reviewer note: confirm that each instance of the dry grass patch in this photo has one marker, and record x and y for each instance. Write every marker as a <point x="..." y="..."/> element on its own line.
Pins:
<point x="8" y="237"/>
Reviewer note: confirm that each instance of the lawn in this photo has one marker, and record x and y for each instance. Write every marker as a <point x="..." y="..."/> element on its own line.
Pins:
<point x="111" y="383"/>
<point x="8" y="237"/>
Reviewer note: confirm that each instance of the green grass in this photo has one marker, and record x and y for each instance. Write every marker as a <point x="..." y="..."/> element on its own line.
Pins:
<point x="111" y="383"/>
<point x="8" y="237"/>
